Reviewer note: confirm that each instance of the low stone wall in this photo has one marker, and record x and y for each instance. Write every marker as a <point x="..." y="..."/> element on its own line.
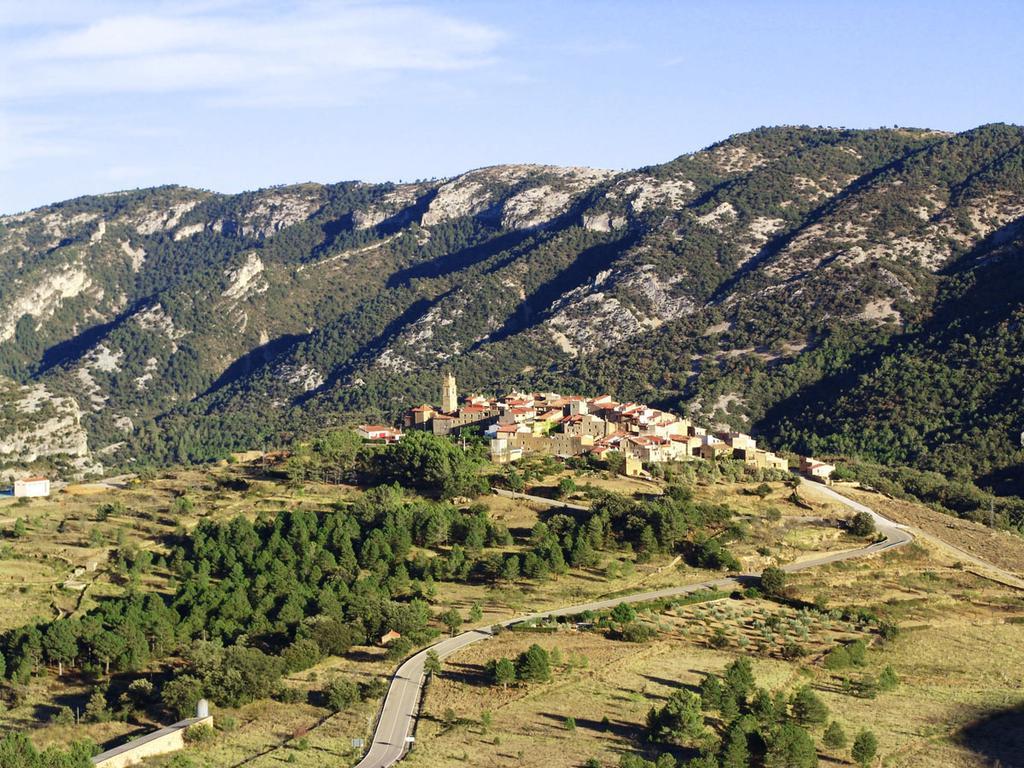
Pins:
<point x="169" y="739"/>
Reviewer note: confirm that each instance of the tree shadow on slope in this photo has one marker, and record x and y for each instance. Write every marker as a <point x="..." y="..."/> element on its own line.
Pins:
<point x="983" y="291"/>
<point x="997" y="738"/>
<point x="415" y="311"/>
<point x="464" y="258"/>
<point x="776" y="244"/>
<point x="255" y="359"/>
<point x="70" y="349"/>
<point x="585" y="267"/>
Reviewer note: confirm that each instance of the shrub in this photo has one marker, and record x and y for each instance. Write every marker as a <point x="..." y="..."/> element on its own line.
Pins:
<point x="808" y="708"/>
<point x="888" y="680"/>
<point x="864" y="749"/>
<point x="858" y="652"/>
<point x="838" y="658"/>
<point x="287" y="695"/>
<point x="889" y="630"/>
<point x="637" y="633"/>
<point x="792" y="651"/>
<point x="96" y="709"/>
<point x="373" y="688"/>
<point x="341" y="693"/>
<point x="835" y="736"/>
<point x="181" y="695"/>
<point x="773" y="581"/>
<point x="300" y="655"/>
<point x="199" y="734"/>
<point x="862" y="524"/>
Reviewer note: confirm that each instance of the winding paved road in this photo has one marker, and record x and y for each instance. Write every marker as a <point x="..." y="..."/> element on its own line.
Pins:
<point x="398" y="715"/>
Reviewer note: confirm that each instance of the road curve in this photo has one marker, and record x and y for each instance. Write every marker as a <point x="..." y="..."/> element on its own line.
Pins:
<point x="398" y="715"/>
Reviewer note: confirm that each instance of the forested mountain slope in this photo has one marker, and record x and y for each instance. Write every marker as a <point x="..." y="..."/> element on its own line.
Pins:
<point x="843" y="290"/>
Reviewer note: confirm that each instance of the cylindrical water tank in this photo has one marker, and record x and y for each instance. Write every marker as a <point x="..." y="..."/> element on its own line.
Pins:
<point x="203" y="708"/>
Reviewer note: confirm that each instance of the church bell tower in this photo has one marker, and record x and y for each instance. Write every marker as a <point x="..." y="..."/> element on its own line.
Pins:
<point x="449" y="394"/>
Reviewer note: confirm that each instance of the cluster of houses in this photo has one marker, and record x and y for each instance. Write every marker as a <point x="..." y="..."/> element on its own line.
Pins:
<point x="570" y="425"/>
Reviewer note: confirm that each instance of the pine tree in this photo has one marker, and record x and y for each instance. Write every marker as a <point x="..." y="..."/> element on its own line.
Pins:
<point x="808" y="708"/>
<point x="534" y="665"/>
<point x="711" y="692"/>
<point x="864" y="749"/>
<point x="835" y="736"/>
<point x="504" y="672"/>
<point x="432" y="664"/>
<point x="888" y="680"/>
<point x="730" y="708"/>
<point x="739" y="678"/>
<point x="735" y="753"/>
<point x="96" y="708"/>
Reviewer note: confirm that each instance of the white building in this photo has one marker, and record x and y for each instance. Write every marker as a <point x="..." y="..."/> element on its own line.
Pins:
<point x="379" y="432"/>
<point x="32" y="486"/>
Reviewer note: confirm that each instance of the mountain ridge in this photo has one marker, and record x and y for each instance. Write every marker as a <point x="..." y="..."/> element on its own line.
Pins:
<point x="729" y="281"/>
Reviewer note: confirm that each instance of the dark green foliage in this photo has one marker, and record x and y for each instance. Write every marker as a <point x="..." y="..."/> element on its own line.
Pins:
<point x="623" y="613"/>
<point x="679" y="721"/>
<point x="862" y="524"/>
<point x="888" y="630"/>
<point x="711" y="692"/>
<point x="503" y="672"/>
<point x="341" y="693"/>
<point x="534" y="665"/>
<point x="181" y="695"/>
<point x="735" y="753"/>
<point x="452" y="619"/>
<point x="432" y="663"/>
<point x="431" y="463"/>
<point x="739" y="678"/>
<point x="637" y="632"/>
<point x="835" y="736"/>
<point x="888" y="680"/>
<point x="16" y="751"/>
<point x="807" y="707"/>
<point x="389" y="299"/>
<point x="790" y="746"/>
<point x="864" y="748"/>
<point x="773" y="581"/>
<point x="332" y="635"/>
<point x="301" y="654"/>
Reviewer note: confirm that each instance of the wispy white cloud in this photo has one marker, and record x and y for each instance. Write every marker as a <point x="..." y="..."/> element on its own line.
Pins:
<point x="311" y="52"/>
<point x="24" y="139"/>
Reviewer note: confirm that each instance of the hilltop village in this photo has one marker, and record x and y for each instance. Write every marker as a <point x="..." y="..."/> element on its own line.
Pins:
<point x="571" y="425"/>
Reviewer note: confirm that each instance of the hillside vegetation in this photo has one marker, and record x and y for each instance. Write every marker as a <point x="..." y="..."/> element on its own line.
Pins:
<point x="841" y="291"/>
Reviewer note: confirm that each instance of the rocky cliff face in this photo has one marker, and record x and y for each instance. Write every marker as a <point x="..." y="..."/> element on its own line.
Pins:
<point x="182" y="322"/>
<point x="35" y="424"/>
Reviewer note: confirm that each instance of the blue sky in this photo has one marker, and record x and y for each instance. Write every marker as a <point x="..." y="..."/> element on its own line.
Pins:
<point x="100" y="95"/>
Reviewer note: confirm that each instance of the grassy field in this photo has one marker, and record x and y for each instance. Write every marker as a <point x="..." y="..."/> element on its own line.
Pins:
<point x="62" y="565"/>
<point x="958" y="660"/>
